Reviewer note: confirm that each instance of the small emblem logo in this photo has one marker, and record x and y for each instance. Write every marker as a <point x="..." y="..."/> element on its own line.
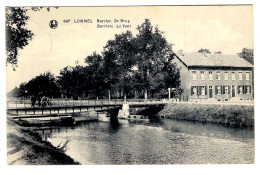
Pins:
<point x="53" y="24"/>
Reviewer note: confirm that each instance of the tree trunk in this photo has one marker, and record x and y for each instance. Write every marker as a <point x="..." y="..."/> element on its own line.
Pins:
<point x="145" y="94"/>
<point x="169" y="92"/>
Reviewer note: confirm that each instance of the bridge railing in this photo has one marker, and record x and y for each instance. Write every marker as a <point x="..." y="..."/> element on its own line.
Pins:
<point x="69" y="102"/>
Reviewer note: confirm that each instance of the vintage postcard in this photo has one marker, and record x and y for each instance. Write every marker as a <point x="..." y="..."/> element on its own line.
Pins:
<point x="130" y="85"/>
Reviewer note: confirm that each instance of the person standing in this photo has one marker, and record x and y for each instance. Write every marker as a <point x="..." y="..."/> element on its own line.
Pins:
<point x="33" y="100"/>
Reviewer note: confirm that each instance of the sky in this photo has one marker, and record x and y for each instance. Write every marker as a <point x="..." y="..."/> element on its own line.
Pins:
<point x="219" y="28"/>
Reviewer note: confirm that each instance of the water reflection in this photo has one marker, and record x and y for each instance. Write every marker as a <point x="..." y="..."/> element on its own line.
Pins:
<point x="154" y="141"/>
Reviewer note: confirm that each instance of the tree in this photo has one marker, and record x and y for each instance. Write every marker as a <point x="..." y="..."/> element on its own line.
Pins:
<point x="129" y="66"/>
<point x="75" y="81"/>
<point x="18" y="92"/>
<point x="17" y="36"/>
<point x="119" y="57"/>
<point x="153" y="51"/>
<point x="43" y="85"/>
<point x="204" y="51"/>
<point x="248" y="55"/>
<point x="138" y="64"/>
<point x="95" y="64"/>
<point x="218" y="52"/>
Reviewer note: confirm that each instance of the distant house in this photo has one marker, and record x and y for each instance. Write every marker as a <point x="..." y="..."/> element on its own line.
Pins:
<point x="214" y="76"/>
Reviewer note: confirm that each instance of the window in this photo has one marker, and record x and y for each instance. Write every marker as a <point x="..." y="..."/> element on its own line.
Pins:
<point x="226" y="89"/>
<point x="248" y="89"/>
<point x="218" y="76"/>
<point x="194" y="77"/>
<point x="210" y="75"/>
<point x="244" y="89"/>
<point x="240" y="76"/>
<point x="203" y="90"/>
<point x="226" y="75"/>
<point x="202" y="77"/>
<point x="240" y="89"/>
<point x="247" y="75"/>
<point x="218" y="90"/>
<point x="233" y="76"/>
<point x="193" y="90"/>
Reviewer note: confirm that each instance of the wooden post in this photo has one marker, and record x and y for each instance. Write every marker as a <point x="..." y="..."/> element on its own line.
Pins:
<point x="16" y="107"/>
<point x="169" y="92"/>
<point x="108" y="95"/>
<point x="25" y="107"/>
<point x="145" y="94"/>
<point x="58" y="106"/>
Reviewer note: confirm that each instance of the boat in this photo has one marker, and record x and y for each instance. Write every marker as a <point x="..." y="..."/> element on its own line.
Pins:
<point x="47" y="121"/>
<point x="136" y="117"/>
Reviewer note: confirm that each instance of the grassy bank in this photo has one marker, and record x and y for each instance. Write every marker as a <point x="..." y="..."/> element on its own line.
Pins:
<point x="25" y="147"/>
<point x="230" y="115"/>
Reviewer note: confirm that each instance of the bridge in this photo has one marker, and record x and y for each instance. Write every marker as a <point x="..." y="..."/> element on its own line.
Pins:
<point x="68" y="106"/>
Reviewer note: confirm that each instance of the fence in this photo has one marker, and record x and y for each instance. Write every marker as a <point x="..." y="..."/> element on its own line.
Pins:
<point x="25" y="103"/>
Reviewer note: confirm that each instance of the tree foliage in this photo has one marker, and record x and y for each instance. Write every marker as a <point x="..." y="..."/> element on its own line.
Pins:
<point x="43" y="85"/>
<point x="248" y="55"/>
<point x="204" y="51"/>
<point x="17" y="35"/>
<point x="128" y="66"/>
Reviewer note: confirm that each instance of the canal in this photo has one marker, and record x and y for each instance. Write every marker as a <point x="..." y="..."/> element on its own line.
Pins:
<point x="158" y="141"/>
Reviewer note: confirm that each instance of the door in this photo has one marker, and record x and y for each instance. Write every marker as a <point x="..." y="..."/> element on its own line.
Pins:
<point x="210" y="92"/>
<point x="233" y="91"/>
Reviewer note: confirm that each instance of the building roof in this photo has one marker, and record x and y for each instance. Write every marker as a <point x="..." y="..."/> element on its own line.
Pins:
<point x="213" y="60"/>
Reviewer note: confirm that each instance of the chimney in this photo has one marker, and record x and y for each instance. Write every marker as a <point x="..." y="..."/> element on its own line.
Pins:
<point x="180" y="52"/>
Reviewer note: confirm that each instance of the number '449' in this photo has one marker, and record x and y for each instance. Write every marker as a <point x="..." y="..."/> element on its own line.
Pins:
<point x="66" y="20"/>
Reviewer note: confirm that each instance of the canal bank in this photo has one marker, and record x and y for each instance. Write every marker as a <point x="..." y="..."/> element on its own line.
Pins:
<point x="234" y="115"/>
<point x="156" y="141"/>
<point x="25" y="147"/>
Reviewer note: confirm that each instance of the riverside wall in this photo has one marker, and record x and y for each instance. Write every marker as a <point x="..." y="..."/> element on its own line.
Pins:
<point x="226" y="114"/>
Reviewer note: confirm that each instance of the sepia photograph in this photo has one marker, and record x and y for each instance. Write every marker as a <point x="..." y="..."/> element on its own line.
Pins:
<point x="130" y="85"/>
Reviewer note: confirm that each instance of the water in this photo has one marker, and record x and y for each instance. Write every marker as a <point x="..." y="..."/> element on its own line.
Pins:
<point x="161" y="141"/>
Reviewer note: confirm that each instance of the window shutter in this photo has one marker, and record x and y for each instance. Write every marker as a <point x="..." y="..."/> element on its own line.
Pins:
<point x="191" y="90"/>
<point x="216" y="90"/>
<point x="199" y="93"/>
<point x="197" y="90"/>
<point x="238" y="87"/>
<point x="205" y="90"/>
<point x="229" y="89"/>
<point x="249" y="89"/>
<point x="222" y="90"/>
<point x="244" y="89"/>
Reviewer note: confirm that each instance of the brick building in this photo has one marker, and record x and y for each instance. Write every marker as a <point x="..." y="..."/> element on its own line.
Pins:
<point x="215" y="76"/>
